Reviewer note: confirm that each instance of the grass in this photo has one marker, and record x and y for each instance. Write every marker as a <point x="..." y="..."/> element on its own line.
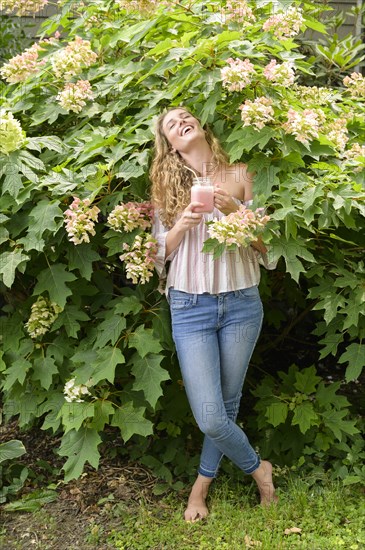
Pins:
<point x="326" y="516"/>
<point x="329" y="517"/>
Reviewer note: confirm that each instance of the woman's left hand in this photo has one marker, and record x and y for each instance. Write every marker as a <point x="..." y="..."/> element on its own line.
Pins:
<point x="224" y="201"/>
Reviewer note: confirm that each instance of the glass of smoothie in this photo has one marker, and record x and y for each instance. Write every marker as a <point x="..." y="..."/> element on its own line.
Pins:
<point x="203" y="191"/>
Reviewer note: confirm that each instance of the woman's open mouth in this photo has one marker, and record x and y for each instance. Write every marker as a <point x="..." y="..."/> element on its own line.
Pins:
<point x="186" y="130"/>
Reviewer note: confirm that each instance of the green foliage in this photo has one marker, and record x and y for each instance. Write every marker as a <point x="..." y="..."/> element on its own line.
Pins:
<point x="10" y="482"/>
<point x="309" y="418"/>
<point x="112" y="338"/>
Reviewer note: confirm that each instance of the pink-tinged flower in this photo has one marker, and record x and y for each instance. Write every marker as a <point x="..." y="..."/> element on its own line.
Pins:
<point x="72" y="97"/>
<point x="80" y="220"/>
<point x="141" y="6"/>
<point x="23" y="65"/>
<point x="237" y="75"/>
<point x="70" y="61"/>
<point x="139" y="258"/>
<point x="23" y="7"/>
<point x="337" y="132"/>
<point x="304" y="125"/>
<point x="355" y="84"/>
<point x="131" y="215"/>
<point x="280" y="74"/>
<point x="257" y="113"/>
<point x="240" y="11"/>
<point x="239" y="228"/>
<point x="285" y="24"/>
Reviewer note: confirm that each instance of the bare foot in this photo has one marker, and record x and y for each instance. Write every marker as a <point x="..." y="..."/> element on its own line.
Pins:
<point x="197" y="508"/>
<point x="263" y="478"/>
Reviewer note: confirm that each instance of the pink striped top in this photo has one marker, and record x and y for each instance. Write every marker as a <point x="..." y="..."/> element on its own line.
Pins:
<point x="193" y="271"/>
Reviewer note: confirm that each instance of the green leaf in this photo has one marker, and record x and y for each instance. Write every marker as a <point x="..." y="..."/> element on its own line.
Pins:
<point x="43" y="370"/>
<point x="128" y="304"/>
<point x="355" y="357"/>
<point x="9" y="262"/>
<point x="53" y="280"/>
<point x="144" y="341"/>
<point x="81" y="257"/>
<point x="104" y="366"/>
<point x="43" y="217"/>
<point x="103" y="410"/>
<point x="306" y="381"/>
<point x="11" y="449"/>
<point x="130" y="420"/>
<point x="33" y="501"/>
<point x="69" y="318"/>
<point x="110" y="330"/>
<point x="149" y="374"/>
<point x="16" y="373"/>
<point x="305" y="416"/>
<point x="334" y="421"/>
<point x="12" y="184"/>
<point x="276" y="413"/>
<point x="80" y="447"/>
<point x="74" y="414"/>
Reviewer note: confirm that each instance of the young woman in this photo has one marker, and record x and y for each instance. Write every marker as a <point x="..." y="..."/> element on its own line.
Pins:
<point x="215" y="306"/>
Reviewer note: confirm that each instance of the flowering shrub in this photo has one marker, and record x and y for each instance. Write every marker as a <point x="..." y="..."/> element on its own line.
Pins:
<point x="130" y="216"/>
<point x="75" y="393"/>
<point x="43" y="315"/>
<point x="239" y="228"/>
<point x="23" y="7"/>
<point x="80" y="220"/>
<point x="12" y="137"/>
<point x="72" y="97"/>
<point x="237" y="75"/>
<point x="88" y="100"/>
<point x="139" y="258"/>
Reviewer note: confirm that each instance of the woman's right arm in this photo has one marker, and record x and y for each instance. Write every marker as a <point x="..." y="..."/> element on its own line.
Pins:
<point x="188" y="220"/>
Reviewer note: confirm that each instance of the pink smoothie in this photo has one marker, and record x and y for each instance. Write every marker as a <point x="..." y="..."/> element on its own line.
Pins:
<point x="204" y="194"/>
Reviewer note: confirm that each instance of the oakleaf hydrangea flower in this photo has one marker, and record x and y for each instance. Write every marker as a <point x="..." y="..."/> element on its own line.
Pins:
<point x="257" y="113"/>
<point x="355" y="84"/>
<point x="72" y="97"/>
<point x="70" y="61"/>
<point x="355" y="156"/>
<point x="80" y="220"/>
<point x="240" y="11"/>
<point x="23" y="7"/>
<point x="304" y="125"/>
<point x="12" y="137"/>
<point x="43" y="315"/>
<point x="337" y="132"/>
<point x="23" y="65"/>
<point x="75" y="393"/>
<point x="313" y="95"/>
<point x="139" y="258"/>
<point x="285" y="24"/>
<point x="280" y="74"/>
<point x="239" y="228"/>
<point x="237" y="75"/>
<point x="131" y="215"/>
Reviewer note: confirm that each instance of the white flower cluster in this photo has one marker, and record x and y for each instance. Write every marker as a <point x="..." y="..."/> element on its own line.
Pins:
<point x="237" y="75"/>
<point x="72" y="97"/>
<point x="70" y="61"/>
<point x="43" y="315"/>
<point x="131" y="215"/>
<point x="23" y="7"/>
<point x="140" y="258"/>
<point x="73" y="392"/>
<point x="12" y="137"/>
<point x="280" y="74"/>
<point x="80" y="220"/>
<point x="239" y="228"/>
<point x="257" y="113"/>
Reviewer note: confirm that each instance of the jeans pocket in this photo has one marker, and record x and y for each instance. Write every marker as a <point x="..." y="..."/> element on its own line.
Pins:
<point x="180" y="300"/>
<point x="251" y="293"/>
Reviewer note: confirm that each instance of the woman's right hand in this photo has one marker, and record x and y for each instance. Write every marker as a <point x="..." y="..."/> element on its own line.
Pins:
<point x="189" y="218"/>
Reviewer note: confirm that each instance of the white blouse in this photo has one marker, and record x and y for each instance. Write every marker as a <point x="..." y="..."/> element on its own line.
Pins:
<point x="191" y="270"/>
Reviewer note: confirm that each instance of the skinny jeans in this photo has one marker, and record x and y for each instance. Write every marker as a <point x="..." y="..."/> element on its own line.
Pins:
<point x="215" y="335"/>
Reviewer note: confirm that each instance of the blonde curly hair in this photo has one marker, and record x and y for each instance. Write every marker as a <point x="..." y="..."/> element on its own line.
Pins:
<point x="171" y="180"/>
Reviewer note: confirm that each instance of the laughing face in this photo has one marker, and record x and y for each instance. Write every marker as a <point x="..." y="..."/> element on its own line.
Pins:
<point x="181" y="129"/>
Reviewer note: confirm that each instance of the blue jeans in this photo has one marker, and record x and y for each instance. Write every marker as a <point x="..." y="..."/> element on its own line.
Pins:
<point x="215" y="336"/>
